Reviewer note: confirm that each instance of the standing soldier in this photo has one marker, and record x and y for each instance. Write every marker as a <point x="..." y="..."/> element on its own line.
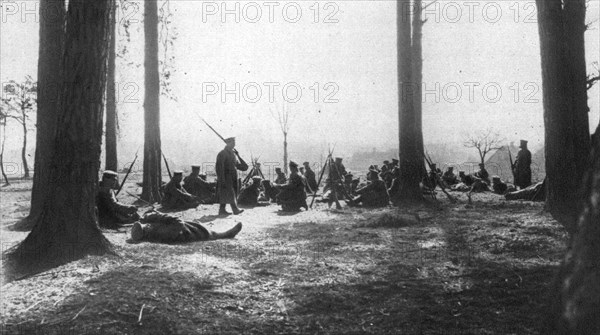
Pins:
<point x="522" y="166"/>
<point x="227" y="178"/>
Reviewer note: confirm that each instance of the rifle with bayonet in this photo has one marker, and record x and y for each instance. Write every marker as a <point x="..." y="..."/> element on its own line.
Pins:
<point x="512" y="165"/>
<point x="167" y="165"/>
<point x="242" y="162"/>
<point x="437" y="178"/>
<point x="128" y="172"/>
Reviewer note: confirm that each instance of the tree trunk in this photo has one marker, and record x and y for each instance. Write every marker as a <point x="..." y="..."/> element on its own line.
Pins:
<point x="563" y="122"/>
<point x="152" y="152"/>
<point x="111" y="162"/>
<point x="24" y="149"/>
<point x="52" y="36"/>
<point x="574" y="16"/>
<point x="285" y="153"/>
<point x="576" y="299"/>
<point x="6" y="182"/>
<point x="67" y="227"/>
<point x="417" y="71"/>
<point x="410" y="162"/>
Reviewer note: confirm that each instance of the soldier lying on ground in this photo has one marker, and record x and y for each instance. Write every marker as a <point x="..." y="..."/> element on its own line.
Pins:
<point x="176" y="197"/>
<point x="195" y="184"/>
<point x="292" y="196"/>
<point x="374" y="194"/>
<point x="111" y="213"/>
<point x="535" y="192"/>
<point x="164" y="228"/>
<point x="473" y="183"/>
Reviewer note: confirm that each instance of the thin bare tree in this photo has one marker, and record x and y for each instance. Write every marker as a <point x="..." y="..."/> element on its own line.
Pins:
<point x="484" y="141"/>
<point x="284" y="118"/>
<point x="20" y="102"/>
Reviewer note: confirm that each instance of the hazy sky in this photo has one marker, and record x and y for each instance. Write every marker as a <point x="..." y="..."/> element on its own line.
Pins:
<point x="481" y="69"/>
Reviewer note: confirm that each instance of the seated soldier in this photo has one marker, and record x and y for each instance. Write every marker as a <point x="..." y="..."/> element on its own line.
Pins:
<point x="498" y="186"/>
<point x="449" y="178"/>
<point x="395" y="185"/>
<point x="280" y="176"/>
<point x="430" y="181"/>
<point x="310" y="176"/>
<point x="475" y="184"/>
<point x="292" y="196"/>
<point x="375" y="194"/>
<point x="111" y="213"/>
<point x="384" y="168"/>
<point x="164" y="228"/>
<point x="466" y="179"/>
<point x="195" y="184"/>
<point x="483" y="174"/>
<point x="270" y="192"/>
<point x="249" y="196"/>
<point x="535" y="192"/>
<point x="176" y="197"/>
<point x="348" y="182"/>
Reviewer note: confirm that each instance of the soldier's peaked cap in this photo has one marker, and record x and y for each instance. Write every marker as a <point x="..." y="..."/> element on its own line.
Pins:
<point x="109" y="174"/>
<point x="523" y="143"/>
<point x="195" y="167"/>
<point x="230" y="139"/>
<point x="294" y="164"/>
<point x="256" y="179"/>
<point x="338" y="158"/>
<point x="306" y="163"/>
<point x="395" y="160"/>
<point x="177" y="172"/>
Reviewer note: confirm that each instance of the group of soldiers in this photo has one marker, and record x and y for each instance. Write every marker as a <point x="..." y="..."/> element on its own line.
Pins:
<point x="480" y="180"/>
<point x="381" y="185"/>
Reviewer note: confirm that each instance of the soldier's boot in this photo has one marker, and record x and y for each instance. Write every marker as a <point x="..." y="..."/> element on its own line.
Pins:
<point x="236" y="210"/>
<point x="228" y="234"/>
<point x="137" y="231"/>
<point x="222" y="210"/>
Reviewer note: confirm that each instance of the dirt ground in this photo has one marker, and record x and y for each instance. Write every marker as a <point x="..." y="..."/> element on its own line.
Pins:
<point x="480" y="268"/>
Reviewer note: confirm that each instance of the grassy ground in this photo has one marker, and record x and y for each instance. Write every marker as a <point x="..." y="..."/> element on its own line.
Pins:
<point x="449" y="268"/>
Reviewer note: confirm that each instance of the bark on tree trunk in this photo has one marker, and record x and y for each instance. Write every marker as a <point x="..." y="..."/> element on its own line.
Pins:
<point x="52" y="37"/>
<point x="574" y="15"/>
<point x="152" y="147"/>
<point x="24" y="149"/>
<point x="576" y="299"/>
<point x="111" y="162"/>
<point x="565" y="122"/>
<point x="410" y="164"/>
<point x="67" y="227"/>
<point x="417" y="59"/>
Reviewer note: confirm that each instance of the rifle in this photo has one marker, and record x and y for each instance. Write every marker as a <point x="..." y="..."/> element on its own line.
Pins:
<point x="167" y="165"/>
<point x="512" y="165"/>
<point x="437" y="178"/>
<point x="128" y="172"/>
<point x="234" y="151"/>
